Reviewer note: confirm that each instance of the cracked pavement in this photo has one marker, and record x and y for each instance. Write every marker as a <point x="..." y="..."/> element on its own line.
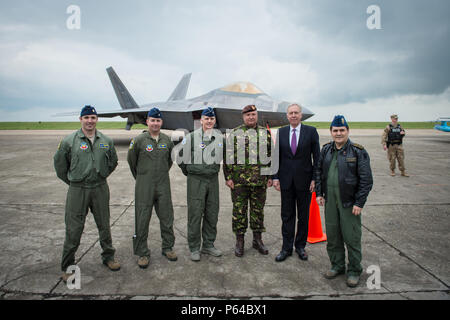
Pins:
<point x="405" y="233"/>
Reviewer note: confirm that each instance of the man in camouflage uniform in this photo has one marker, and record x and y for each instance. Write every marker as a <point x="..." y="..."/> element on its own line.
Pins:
<point x="201" y="167"/>
<point x="243" y="176"/>
<point x="84" y="160"/>
<point x="149" y="158"/>
<point x="392" y="141"/>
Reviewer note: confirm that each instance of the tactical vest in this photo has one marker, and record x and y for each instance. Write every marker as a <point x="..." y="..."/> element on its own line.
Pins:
<point x="394" y="136"/>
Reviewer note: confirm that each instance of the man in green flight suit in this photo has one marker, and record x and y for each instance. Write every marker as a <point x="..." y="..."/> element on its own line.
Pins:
<point x="149" y="158"/>
<point x="243" y="175"/>
<point x="343" y="182"/>
<point x="84" y="160"/>
<point x="201" y="168"/>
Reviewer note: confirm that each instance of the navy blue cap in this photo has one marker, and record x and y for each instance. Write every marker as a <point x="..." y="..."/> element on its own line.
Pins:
<point x="339" y="121"/>
<point x="88" y="110"/>
<point x="154" y="113"/>
<point x="209" y="112"/>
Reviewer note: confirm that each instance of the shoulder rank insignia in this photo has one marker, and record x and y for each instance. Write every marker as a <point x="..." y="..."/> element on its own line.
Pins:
<point x="358" y="145"/>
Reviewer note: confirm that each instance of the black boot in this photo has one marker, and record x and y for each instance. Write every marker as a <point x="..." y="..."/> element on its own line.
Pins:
<point x="258" y="244"/>
<point x="239" y="250"/>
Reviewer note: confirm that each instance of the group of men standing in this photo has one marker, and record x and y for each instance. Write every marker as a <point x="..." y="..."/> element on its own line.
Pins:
<point x="340" y="174"/>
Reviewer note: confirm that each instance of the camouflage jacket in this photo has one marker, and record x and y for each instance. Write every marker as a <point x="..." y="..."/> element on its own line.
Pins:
<point x="247" y="151"/>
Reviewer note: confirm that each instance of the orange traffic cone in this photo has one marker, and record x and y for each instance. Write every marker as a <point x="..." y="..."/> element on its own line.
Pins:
<point x="315" y="233"/>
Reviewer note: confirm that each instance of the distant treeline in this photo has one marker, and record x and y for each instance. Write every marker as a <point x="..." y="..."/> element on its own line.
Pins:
<point x="121" y="125"/>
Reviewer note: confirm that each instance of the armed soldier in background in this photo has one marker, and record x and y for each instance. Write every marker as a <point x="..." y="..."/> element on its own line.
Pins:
<point x="392" y="141"/>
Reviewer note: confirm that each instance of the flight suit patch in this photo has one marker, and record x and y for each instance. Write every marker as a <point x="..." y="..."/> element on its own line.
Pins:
<point x="84" y="146"/>
<point x="350" y="159"/>
<point x="149" y="148"/>
<point x="162" y="146"/>
<point x="103" y="146"/>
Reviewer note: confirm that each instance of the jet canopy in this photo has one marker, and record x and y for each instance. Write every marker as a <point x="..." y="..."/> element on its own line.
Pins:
<point x="242" y="87"/>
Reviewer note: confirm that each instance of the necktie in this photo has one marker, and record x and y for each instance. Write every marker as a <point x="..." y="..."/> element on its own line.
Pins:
<point x="294" y="142"/>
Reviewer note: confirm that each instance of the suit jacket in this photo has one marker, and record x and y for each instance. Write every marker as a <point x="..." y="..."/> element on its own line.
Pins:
<point x="297" y="168"/>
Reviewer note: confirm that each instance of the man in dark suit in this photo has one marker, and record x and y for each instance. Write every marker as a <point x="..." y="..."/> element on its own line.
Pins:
<point x="299" y="151"/>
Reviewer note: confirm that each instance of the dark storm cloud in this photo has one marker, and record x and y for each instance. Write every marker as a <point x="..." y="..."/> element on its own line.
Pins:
<point x="409" y="55"/>
<point x="318" y="52"/>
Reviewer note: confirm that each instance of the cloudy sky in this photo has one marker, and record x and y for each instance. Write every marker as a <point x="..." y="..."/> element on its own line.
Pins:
<point x="320" y="53"/>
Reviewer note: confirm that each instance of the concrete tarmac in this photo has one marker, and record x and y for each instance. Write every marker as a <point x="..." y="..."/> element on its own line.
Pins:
<point x="406" y="223"/>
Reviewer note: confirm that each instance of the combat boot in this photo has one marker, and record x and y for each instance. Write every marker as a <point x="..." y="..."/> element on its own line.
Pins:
<point x="352" y="281"/>
<point x="143" y="262"/>
<point x="392" y="173"/>
<point x="112" y="265"/>
<point x="404" y="174"/>
<point x="239" y="250"/>
<point x="332" y="273"/>
<point x="258" y="244"/>
<point x="65" y="276"/>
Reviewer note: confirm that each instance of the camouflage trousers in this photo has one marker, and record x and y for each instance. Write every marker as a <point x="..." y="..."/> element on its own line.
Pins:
<point x="241" y="196"/>
<point x="395" y="151"/>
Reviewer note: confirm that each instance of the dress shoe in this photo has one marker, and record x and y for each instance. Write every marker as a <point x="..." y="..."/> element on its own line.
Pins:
<point x="258" y="243"/>
<point x="239" y="250"/>
<point x="302" y="254"/>
<point x="282" y="256"/>
<point x="331" y="274"/>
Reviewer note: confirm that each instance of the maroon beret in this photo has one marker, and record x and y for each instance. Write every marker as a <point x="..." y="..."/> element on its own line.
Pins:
<point x="249" y="108"/>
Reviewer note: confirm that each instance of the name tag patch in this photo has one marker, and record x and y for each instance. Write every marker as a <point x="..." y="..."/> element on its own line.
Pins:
<point x="162" y="146"/>
<point x="104" y="145"/>
<point x="350" y="160"/>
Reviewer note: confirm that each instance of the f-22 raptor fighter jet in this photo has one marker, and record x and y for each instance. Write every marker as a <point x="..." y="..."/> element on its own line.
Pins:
<point x="181" y="113"/>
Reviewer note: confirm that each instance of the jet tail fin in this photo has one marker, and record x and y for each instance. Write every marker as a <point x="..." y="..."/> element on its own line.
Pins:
<point x="126" y="101"/>
<point x="180" y="91"/>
